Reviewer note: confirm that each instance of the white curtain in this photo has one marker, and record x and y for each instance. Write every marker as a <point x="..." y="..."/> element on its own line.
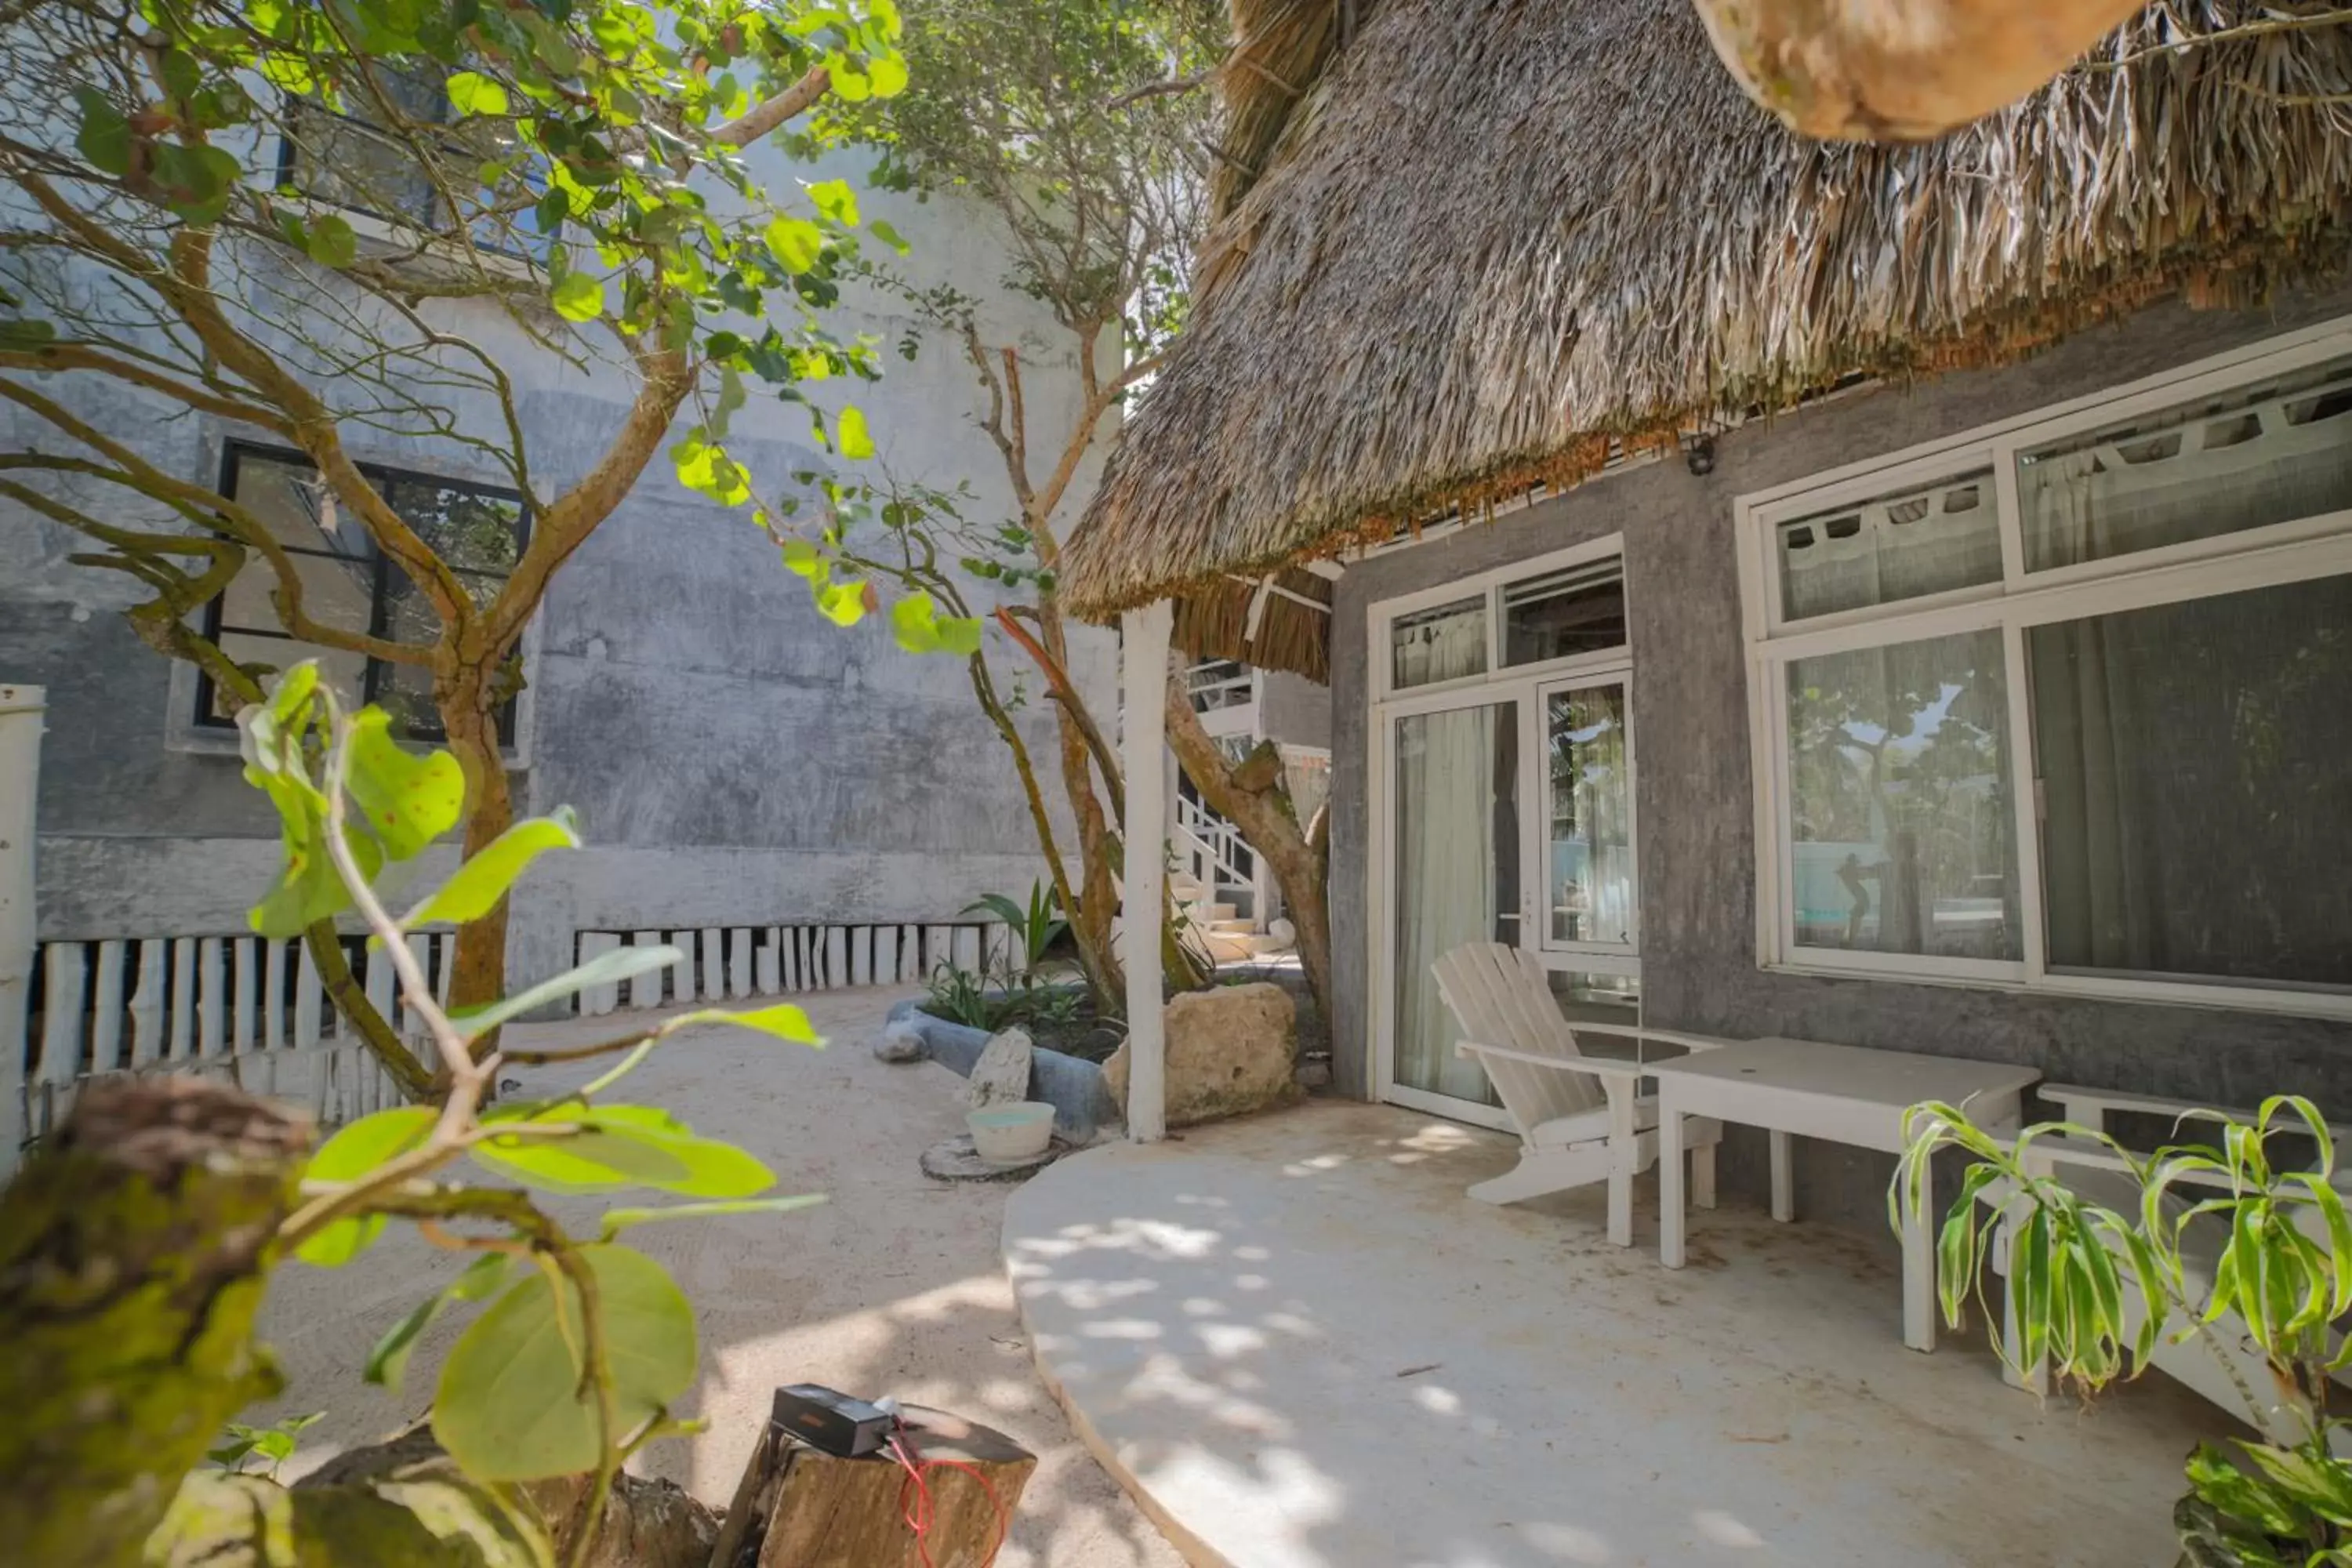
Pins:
<point x="1451" y="792"/>
<point x="1894" y="548"/>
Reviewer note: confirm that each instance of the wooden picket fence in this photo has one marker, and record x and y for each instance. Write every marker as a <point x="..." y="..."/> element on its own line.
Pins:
<point x="723" y="962"/>
<point x="245" y="1008"/>
<point x="254" y="1011"/>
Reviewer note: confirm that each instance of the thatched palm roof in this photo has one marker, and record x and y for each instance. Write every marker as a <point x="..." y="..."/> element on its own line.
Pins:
<point x="1492" y="235"/>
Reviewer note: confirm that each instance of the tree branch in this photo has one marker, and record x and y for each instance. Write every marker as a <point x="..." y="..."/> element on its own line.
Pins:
<point x="765" y="117"/>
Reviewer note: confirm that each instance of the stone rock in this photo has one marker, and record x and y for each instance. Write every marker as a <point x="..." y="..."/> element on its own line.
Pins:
<point x="1001" y="1076"/>
<point x="1232" y="1049"/>
<point x="900" y="1041"/>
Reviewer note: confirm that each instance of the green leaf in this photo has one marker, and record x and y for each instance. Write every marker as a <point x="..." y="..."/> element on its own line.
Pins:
<point x="409" y="801"/>
<point x="510" y="1406"/>
<point x="886" y="75"/>
<point x="619" y="1220"/>
<point x="351" y="1154"/>
<point x="835" y="200"/>
<point x="619" y="964"/>
<point x="842" y="604"/>
<point x="474" y="888"/>
<point x="470" y="92"/>
<point x="849" y="433"/>
<point x="784" y="1021"/>
<point x="331" y="242"/>
<point x="801" y="557"/>
<point x="796" y="243"/>
<point x="105" y="135"/>
<point x="620" y="1146"/>
<point x="881" y="229"/>
<point x="578" y="297"/>
<point x="389" y="1360"/>
<point x="197" y="182"/>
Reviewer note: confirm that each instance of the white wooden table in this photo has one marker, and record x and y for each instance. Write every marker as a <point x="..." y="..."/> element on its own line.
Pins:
<point x="1843" y="1093"/>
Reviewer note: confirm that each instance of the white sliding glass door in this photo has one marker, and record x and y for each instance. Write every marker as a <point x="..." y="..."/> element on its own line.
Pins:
<point x="1502" y="786"/>
<point x="1455" y="781"/>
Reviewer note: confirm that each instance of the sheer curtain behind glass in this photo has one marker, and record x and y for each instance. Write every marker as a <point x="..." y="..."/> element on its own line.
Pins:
<point x="1454" y="787"/>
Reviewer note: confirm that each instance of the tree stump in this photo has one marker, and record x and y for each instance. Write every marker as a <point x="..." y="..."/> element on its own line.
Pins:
<point x="798" y="1508"/>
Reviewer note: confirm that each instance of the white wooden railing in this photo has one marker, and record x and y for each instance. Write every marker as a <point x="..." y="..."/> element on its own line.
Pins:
<point x="1220" y="683"/>
<point x="1211" y="851"/>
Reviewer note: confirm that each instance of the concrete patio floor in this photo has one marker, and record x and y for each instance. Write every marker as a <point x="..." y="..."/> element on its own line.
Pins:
<point x="1298" y="1343"/>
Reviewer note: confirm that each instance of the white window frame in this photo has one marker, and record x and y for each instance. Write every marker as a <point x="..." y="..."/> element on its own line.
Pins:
<point x="2278" y="553"/>
<point x="1528" y="685"/>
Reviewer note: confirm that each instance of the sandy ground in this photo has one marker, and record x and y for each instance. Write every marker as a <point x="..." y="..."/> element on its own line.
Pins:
<point x="893" y="1287"/>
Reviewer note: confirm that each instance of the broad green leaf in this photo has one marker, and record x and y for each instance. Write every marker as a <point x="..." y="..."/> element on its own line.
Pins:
<point x="621" y="1146"/>
<point x="835" y="200"/>
<point x="849" y="433"/>
<point x="389" y="1360"/>
<point x="105" y="135"/>
<point x="886" y="76"/>
<point x="801" y="557"/>
<point x="409" y="801"/>
<point x="619" y="964"/>
<point x="510" y="1405"/>
<point x="796" y="243"/>
<point x="842" y="604"/>
<point x="197" y="182"/>
<point x="850" y="85"/>
<point x="474" y="888"/>
<point x="619" y="1220"/>
<point x="784" y="1021"/>
<point x="331" y="241"/>
<point x="470" y="92"/>
<point x="351" y="1154"/>
<point x="578" y="297"/>
<point x="882" y="230"/>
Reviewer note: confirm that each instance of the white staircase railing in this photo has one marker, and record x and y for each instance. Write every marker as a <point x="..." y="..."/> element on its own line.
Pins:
<point x="1211" y="851"/>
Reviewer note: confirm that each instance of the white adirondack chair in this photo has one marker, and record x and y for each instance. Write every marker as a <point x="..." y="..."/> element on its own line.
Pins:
<point x="2095" y="1174"/>
<point x="1579" y="1118"/>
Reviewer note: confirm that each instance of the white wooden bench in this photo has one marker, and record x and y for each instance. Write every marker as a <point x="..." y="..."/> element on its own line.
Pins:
<point x="1581" y="1118"/>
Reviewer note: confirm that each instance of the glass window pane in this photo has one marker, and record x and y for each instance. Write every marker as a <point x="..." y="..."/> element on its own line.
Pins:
<point x="1925" y="540"/>
<point x="1443" y="644"/>
<point x="350" y="164"/>
<point x="2220" y="465"/>
<point x="1589" y="869"/>
<point x="2196" y="764"/>
<point x="1900" y="800"/>
<point x="337" y="592"/>
<point x="271" y="657"/>
<point x="471" y="528"/>
<point x="296" y="506"/>
<point x="1580" y="610"/>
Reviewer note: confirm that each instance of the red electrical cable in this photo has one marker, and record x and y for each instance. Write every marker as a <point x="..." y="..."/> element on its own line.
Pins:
<point x="919" y="1518"/>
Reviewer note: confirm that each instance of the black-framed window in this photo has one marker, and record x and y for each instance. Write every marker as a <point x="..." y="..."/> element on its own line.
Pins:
<point x="350" y="586"/>
<point x="348" y="161"/>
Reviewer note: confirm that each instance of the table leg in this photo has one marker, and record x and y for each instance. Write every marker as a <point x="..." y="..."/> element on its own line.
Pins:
<point x="1670" y="1180"/>
<point x="1919" y="1268"/>
<point x="1784" y="1180"/>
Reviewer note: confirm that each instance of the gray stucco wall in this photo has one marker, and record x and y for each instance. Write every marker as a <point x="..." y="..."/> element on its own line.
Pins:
<point x="1295" y="710"/>
<point x="734" y="756"/>
<point x="1695" y="798"/>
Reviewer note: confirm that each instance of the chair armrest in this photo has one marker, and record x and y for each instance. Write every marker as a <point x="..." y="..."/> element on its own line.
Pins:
<point x="1665" y="1036"/>
<point x="1592" y="1067"/>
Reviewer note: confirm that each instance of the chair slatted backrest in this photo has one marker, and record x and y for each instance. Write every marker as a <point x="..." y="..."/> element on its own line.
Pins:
<point x="1500" y="996"/>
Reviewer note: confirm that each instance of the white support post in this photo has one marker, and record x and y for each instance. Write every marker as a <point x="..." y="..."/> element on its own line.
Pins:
<point x="714" y="966"/>
<point x="740" y="981"/>
<point x="681" y="973"/>
<point x="273" y="999"/>
<point x="771" y="964"/>
<point x="836" y="958"/>
<point x="212" y="976"/>
<point x="245" y="983"/>
<point x="861" y="955"/>
<point x="184" y="998"/>
<point x="148" y="999"/>
<point x="885" y="955"/>
<point x="106" y="1011"/>
<point x="1143" y="719"/>
<point x="20" y="774"/>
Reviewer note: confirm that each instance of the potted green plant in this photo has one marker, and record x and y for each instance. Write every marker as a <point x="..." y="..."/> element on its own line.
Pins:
<point x="2114" y="1258"/>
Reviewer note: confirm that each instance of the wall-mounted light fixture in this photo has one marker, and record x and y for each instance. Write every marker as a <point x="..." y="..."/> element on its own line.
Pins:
<point x="1698" y="450"/>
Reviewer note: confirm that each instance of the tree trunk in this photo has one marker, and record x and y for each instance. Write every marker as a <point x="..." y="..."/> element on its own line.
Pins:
<point x="798" y="1508"/>
<point x="1253" y="796"/>
<point x="133" y="1251"/>
<point x="465" y="696"/>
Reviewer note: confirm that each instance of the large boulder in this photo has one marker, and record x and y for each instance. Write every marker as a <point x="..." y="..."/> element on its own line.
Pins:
<point x="1231" y="1049"/>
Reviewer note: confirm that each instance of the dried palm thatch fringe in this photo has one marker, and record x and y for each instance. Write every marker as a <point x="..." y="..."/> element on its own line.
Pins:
<point x="1213" y="621"/>
<point x="1494" y="233"/>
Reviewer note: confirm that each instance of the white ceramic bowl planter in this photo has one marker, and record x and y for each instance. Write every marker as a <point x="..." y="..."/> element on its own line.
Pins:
<point x="1007" y="1135"/>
